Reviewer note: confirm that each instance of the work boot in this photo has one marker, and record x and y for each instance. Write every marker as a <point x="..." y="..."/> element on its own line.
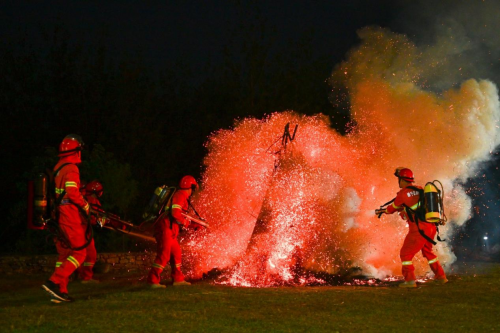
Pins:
<point x="90" y="281"/>
<point x="441" y="280"/>
<point x="67" y="298"/>
<point x="157" y="286"/>
<point x="408" y="284"/>
<point x="182" y="283"/>
<point x="55" y="293"/>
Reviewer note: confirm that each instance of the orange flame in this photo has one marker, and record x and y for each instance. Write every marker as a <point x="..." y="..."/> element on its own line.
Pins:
<point x="318" y="206"/>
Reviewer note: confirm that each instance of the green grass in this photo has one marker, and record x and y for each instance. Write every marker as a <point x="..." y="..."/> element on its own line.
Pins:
<point x="469" y="303"/>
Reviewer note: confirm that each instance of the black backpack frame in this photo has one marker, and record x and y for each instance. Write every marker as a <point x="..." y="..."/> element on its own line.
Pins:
<point x="419" y="214"/>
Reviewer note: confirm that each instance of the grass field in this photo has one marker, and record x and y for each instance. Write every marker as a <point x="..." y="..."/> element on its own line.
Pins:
<point x="469" y="303"/>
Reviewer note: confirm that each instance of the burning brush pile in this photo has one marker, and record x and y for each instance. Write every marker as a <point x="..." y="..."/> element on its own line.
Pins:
<point x="297" y="207"/>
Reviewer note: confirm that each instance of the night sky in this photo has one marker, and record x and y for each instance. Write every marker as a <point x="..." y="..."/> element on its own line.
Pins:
<point x="166" y="33"/>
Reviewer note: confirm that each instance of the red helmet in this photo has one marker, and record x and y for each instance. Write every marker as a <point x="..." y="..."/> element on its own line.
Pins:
<point x="188" y="182"/>
<point x="405" y="174"/>
<point x="94" y="187"/>
<point x="71" y="144"/>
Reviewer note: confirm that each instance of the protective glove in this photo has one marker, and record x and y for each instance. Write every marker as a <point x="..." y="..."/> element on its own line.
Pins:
<point x="379" y="211"/>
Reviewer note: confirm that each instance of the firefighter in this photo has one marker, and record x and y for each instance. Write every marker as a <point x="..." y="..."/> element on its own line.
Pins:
<point x="166" y="231"/>
<point x="414" y="241"/>
<point x="72" y="238"/>
<point x="92" y="192"/>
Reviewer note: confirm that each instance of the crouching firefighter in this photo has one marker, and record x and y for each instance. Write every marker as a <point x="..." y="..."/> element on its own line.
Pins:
<point x="167" y="228"/>
<point x="71" y="234"/>
<point x="422" y="229"/>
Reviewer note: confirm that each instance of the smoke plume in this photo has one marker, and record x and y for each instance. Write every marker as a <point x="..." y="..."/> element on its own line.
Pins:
<point x="317" y="198"/>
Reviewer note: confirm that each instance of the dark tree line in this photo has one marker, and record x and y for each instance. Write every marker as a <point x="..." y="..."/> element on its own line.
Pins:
<point x="150" y="121"/>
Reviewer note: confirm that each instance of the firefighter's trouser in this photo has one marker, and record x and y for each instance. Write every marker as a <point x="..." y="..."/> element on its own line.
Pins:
<point x="69" y="260"/>
<point x="86" y="269"/>
<point x="168" y="251"/>
<point x="415" y="242"/>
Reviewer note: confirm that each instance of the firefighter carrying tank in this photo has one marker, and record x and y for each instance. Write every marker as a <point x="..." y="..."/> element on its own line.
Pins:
<point x="160" y="197"/>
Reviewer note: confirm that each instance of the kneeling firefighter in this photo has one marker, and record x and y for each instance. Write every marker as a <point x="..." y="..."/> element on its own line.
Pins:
<point x="421" y="232"/>
<point x="72" y="236"/>
<point x="167" y="228"/>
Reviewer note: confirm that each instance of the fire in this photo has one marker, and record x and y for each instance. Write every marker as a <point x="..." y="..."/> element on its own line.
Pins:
<point x="279" y="216"/>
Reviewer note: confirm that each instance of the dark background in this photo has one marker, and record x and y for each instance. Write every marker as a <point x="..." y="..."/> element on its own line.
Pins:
<point x="145" y="83"/>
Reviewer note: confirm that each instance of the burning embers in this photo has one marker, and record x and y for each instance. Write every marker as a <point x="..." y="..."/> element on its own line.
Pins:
<point x="298" y="209"/>
<point x="290" y="229"/>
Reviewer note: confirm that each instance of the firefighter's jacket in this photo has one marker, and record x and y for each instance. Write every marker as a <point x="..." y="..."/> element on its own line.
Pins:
<point x="407" y="197"/>
<point x="68" y="180"/>
<point x="179" y="205"/>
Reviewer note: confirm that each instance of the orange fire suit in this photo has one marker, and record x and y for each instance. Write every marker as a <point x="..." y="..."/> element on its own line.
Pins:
<point x="166" y="232"/>
<point x="70" y="221"/>
<point x="414" y="241"/>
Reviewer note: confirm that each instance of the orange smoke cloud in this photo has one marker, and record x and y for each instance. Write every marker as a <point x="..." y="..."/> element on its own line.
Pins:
<point x="318" y="204"/>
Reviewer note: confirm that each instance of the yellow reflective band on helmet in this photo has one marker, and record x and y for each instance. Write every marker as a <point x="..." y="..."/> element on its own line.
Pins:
<point x="155" y="265"/>
<point x="406" y="263"/>
<point x="88" y="264"/>
<point x="73" y="261"/>
<point x="415" y="206"/>
<point x="70" y="184"/>
<point x="176" y="206"/>
<point x="58" y="264"/>
<point x="433" y="260"/>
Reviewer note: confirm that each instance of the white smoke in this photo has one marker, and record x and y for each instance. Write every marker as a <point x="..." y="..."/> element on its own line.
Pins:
<point x="421" y="104"/>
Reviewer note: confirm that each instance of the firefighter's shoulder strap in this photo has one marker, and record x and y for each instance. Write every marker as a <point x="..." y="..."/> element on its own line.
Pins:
<point x="423" y="233"/>
<point x="52" y="178"/>
<point x="420" y="209"/>
<point x="414" y="215"/>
